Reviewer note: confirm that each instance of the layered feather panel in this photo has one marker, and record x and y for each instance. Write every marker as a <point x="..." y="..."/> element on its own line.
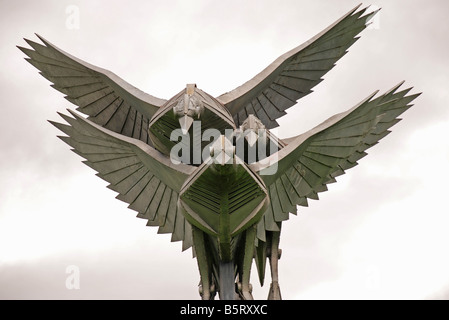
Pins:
<point x="293" y="75"/>
<point x="326" y="151"/>
<point x="119" y="163"/>
<point x="100" y="94"/>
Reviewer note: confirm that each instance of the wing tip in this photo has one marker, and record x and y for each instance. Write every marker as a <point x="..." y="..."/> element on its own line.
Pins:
<point x="396" y="87"/>
<point x="30" y="42"/>
<point x="41" y="38"/>
<point x="60" y="126"/>
<point x="23" y="49"/>
<point x="367" y="17"/>
<point x="74" y="114"/>
<point x="54" y="123"/>
<point x="372" y="95"/>
<point x="66" y="118"/>
<point x="355" y="8"/>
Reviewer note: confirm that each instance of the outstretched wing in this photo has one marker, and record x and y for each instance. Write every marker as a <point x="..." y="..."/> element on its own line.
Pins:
<point x="315" y="158"/>
<point x="107" y="99"/>
<point x="142" y="176"/>
<point x="295" y="73"/>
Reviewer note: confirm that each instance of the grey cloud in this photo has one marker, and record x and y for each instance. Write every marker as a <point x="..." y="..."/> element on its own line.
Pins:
<point x="158" y="46"/>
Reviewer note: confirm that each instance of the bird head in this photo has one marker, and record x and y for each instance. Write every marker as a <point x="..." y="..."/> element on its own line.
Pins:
<point x="187" y="109"/>
<point x="253" y="129"/>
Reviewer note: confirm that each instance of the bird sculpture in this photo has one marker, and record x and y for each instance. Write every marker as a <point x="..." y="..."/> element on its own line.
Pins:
<point x="207" y="169"/>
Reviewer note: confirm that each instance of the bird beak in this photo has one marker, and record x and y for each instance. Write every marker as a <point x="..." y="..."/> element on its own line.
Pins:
<point x="185" y="122"/>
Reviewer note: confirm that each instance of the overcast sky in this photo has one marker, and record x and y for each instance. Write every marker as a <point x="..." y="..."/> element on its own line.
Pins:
<point x="380" y="232"/>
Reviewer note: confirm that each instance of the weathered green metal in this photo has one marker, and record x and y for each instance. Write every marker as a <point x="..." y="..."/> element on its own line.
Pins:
<point x="229" y="202"/>
<point x="223" y="200"/>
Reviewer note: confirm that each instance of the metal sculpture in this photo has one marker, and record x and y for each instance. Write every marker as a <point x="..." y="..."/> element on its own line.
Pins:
<point x="207" y="169"/>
